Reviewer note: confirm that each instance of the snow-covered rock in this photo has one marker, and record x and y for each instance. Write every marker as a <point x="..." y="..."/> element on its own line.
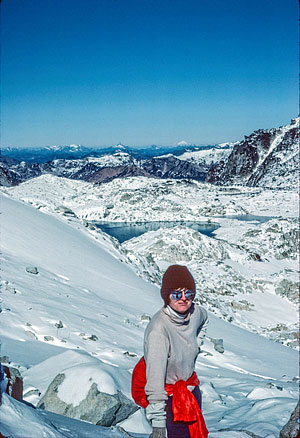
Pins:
<point x="266" y="158"/>
<point x="87" y="392"/>
<point x="19" y="421"/>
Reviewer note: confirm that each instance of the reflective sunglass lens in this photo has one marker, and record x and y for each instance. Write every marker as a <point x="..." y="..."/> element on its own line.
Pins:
<point x="189" y="295"/>
<point x="177" y="295"/>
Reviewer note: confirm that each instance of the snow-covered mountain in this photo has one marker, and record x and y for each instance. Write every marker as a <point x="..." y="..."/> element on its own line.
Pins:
<point x="266" y="158"/>
<point x="102" y="169"/>
<point x="208" y="157"/>
<point x="75" y="301"/>
<point x="240" y="273"/>
<point x="47" y="153"/>
<point x="83" y="310"/>
<point x="50" y="153"/>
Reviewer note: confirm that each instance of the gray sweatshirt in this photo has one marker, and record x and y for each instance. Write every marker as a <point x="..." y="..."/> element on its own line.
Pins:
<point x="171" y="346"/>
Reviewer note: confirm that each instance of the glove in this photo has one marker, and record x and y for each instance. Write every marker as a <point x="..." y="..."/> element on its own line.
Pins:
<point x="158" y="432"/>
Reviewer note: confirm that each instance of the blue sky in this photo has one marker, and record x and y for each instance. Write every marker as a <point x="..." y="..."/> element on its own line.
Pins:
<point x="142" y="72"/>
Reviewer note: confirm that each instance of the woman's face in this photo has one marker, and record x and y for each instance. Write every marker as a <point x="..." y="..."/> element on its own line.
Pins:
<point x="183" y="304"/>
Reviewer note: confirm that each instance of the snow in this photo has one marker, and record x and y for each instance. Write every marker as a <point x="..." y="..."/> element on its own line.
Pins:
<point x="141" y="199"/>
<point x="208" y="156"/>
<point x="277" y="140"/>
<point x="20" y="421"/>
<point x="71" y="394"/>
<point x="99" y="290"/>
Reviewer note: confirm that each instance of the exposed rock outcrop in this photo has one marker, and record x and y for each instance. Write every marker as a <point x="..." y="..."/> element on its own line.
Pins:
<point x="267" y="158"/>
<point x="96" y="407"/>
<point x="14" y="382"/>
<point x="291" y="429"/>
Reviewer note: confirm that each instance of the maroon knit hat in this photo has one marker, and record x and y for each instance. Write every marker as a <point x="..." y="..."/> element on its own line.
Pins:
<point x="176" y="277"/>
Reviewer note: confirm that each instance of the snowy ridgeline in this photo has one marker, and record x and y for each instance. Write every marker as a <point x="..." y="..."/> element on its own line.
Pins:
<point x="266" y="158"/>
<point x="75" y="302"/>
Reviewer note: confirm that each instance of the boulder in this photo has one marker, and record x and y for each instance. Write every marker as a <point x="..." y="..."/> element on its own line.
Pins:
<point x="145" y="318"/>
<point x="218" y="345"/>
<point x="32" y="270"/>
<point x="14" y="386"/>
<point x="291" y="429"/>
<point x="96" y="406"/>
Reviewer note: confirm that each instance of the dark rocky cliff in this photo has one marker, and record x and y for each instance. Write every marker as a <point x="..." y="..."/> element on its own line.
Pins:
<point x="265" y="158"/>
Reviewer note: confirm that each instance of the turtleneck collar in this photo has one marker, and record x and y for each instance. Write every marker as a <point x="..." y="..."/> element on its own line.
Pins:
<point x="178" y="318"/>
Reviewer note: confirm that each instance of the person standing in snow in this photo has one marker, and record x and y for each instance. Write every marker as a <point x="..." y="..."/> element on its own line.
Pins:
<point x="171" y="345"/>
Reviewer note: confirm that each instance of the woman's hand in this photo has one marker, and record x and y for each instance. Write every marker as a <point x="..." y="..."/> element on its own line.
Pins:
<point x="158" y="432"/>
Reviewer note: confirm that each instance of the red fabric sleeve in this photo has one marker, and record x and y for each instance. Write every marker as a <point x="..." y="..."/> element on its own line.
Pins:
<point x="138" y="383"/>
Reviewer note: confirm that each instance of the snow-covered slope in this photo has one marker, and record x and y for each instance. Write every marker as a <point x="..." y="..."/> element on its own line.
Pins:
<point x="208" y="157"/>
<point x="83" y="282"/>
<point x="238" y="275"/>
<point x="252" y="283"/>
<point x="148" y="199"/>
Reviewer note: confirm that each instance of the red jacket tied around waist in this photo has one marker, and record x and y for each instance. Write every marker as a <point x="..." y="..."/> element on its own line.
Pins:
<point x="184" y="405"/>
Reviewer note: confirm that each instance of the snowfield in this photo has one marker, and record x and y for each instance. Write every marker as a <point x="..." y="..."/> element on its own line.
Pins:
<point x="247" y="268"/>
<point x="74" y="299"/>
<point x="208" y="157"/>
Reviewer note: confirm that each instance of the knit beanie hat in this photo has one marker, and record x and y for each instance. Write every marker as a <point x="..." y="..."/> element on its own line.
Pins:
<point x="176" y="277"/>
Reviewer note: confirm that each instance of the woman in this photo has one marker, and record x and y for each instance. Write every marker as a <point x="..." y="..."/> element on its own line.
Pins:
<point x="171" y="346"/>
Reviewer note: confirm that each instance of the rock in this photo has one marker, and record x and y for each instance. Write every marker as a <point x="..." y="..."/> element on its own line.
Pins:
<point x="120" y="429"/>
<point x="128" y="354"/>
<point x="291" y="429"/>
<point x="15" y="382"/>
<point x="32" y="270"/>
<point x="145" y="318"/>
<point x="241" y="305"/>
<point x="32" y="392"/>
<point x="127" y="407"/>
<point x="93" y="338"/>
<point x="266" y="158"/>
<point x="97" y="407"/>
<point x="66" y="211"/>
<point x="10" y="289"/>
<point x="59" y="325"/>
<point x="48" y="338"/>
<point x="289" y="289"/>
<point x="255" y="256"/>
<point x="218" y="345"/>
<point x="31" y="334"/>
<point x="88" y="337"/>
<point x="4" y="359"/>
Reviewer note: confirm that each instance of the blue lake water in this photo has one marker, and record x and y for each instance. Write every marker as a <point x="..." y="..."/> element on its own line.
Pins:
<point x="123" y="231"/>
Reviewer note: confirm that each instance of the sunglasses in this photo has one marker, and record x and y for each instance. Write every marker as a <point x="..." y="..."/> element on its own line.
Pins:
<point x="177" y="294"/>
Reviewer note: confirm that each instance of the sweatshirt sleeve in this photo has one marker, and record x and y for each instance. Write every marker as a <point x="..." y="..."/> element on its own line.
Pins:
<point x="202" y="330"/>
<point x="156" y="349"/>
